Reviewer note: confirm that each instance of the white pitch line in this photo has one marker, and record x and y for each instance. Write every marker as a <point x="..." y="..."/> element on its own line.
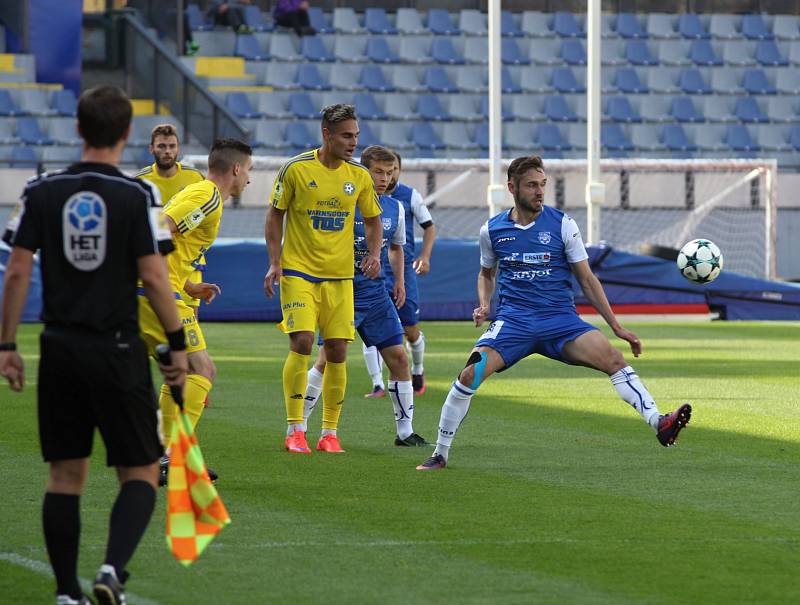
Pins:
<point x="45" y="570"/>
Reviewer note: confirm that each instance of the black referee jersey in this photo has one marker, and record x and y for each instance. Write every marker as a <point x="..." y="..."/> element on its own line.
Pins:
<point x="91" y="223"/>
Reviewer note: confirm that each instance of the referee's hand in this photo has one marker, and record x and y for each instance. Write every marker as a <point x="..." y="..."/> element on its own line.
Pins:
<point x="175" y="373"/>
<point x="12" y="369"/>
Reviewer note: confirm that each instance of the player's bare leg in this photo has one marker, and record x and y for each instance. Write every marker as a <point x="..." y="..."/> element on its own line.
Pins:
<point x="401" y="393"/>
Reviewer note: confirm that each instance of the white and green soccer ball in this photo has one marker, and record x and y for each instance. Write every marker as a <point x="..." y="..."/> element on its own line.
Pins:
<point x="700" y="261"/>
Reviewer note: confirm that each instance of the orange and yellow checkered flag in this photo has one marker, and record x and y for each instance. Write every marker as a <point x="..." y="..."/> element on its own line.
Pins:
<point x="195" y="512"/>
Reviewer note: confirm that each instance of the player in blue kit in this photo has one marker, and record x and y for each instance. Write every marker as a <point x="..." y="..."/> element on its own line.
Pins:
<point x="533" y="251"/>
<point x="415" y="210"/>
<point x="376" y="317"/>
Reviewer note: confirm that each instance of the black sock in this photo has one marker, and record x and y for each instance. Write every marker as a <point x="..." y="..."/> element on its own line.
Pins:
<point x="61" y="519"/>
<point x="129" y="519"/>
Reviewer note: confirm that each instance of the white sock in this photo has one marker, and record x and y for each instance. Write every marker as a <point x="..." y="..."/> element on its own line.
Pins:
<point x="402" y="395"/>
<point x="295" y="427"/>
<point x="328" y="432"/>
<point x="631" y="389"/>
<point x="417" y="354"/>
<point x="313" y="391"/>
<point x="374" y="363"/>
<point x="454" y="410"/>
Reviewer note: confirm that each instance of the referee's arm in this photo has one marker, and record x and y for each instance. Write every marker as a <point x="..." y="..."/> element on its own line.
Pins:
<point x="15" y="292"/>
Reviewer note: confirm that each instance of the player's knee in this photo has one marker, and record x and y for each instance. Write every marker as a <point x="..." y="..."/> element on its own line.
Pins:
<point x="473" y="373"/>
<point x="412" y="333"/>
<point x="203" y="366"/>
<point x="615" y="361"/>
<point x="302" y="342"/>
<point x="396" y="359"/>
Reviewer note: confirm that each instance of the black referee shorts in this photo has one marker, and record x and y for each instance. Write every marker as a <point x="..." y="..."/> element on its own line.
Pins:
<point x="87" y="381"/>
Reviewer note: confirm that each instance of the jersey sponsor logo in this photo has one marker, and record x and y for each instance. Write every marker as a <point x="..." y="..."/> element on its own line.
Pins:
<point x="84" y="224"/>
<point x="328" y="220"/>
<point x="530" y="274"/>
<point x="295" y="304"/>
<point x="536" y="258"/>
<point x="312" y="184"/>
<point x="493" y="331"/>
<point x="349" y="188"/>
<point x="194" y="218"/>
<point x="512" y="238"/>
<point x="544" y="237"/>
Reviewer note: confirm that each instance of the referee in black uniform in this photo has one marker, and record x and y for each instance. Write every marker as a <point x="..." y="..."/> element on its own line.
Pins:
<point x="98" y="231"/>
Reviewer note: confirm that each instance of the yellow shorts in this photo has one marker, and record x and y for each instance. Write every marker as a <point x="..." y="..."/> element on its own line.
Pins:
<point x="153" y="334"/>
<point x="307" y="305"/>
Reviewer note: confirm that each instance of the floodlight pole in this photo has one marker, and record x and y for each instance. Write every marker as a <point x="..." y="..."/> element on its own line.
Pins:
<point x="496" y="188"/>
<point x="595" y="189"/>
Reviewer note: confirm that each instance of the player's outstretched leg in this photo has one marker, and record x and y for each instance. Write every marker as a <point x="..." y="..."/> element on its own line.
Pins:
<point x="670" y="425"/>
<point x="374" y="362"/>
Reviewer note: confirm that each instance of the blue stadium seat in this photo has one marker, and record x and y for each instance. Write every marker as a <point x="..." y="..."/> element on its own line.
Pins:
<point x="437" y="80"/>
<point x="683" y="110"/>
<point x="65" y="103"/>
<point x="430" y="108"/>
<point x="573" y="52"/>
<point x="308" y="77"/>
<point x="768" y="53"/>
<point x="366" y="136"/>
<point x="299" y="137"/>
<point x="28" y="131"/>
<point x="754" y="28"/>
<point x="613" y="138"/>
<point x="755" y="82"/>
<point x="379" y="51"/>
<point x="473" y="22"/>
<point x="557" y="109"/>
<point x="550" y="138"/>
<point x="563" y="80"/>
<point x="318" y="20"/>
<point x="702" y="53"/>
<point x="691" y="82"/>
<point x="511" y="54"/>
<point x="626" y="79"/>
<point x="314" y="49"/>
<point x="441" y="24"/>
<point x="424" y="137"/>
<point x="638" y="53"/>
<point x="690" y="26"/>
<point x="674" y="138"/>
<point x="368" y="107"/>
<point x="509" y="25"/>
<point x="247" y="46"/>
<point x="661" y="25"/>
<point x="738" y="138"/>
<point x="725" y="27"/>
<point x="619" y="109"/>
<point x="505" y="113"/>
<point x="409" y="21"/>
<point x="25" y="157"/>
<point x="507" y="82"/>
<point x="376" y="22"/>
<point x="240" y="105"/>
<point x="302" y="107"/>
<point x="254" y="19"/>
<point x="747" y="110"/>
<point x="443" y="51"/>
<point x="346" y="21"/>
<point x="628" y="26"/>
<point x="794" y="137"/>
<point x="7" y="106"/>
<point x="196" y="19"/>
<point x="482" y="136"/>
<point x="566" y="25"/>
<point x="786" y="27"/>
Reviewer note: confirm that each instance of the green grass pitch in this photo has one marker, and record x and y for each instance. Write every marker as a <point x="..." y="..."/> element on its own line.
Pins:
<point x="557" y="492"/>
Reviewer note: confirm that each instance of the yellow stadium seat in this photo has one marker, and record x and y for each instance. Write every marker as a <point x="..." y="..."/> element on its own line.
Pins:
<point x="221" y="67"/>
<point x="7" y="64"/>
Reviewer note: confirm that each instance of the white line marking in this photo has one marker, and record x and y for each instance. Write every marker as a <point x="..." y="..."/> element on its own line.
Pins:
<point x="44" y="570"/>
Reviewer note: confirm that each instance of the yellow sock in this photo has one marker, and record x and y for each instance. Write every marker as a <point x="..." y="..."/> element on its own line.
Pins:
<point x="194" y="397"/>
<point x="334" y="383"/>
<point x="169" y="411"/>
<point x="294" y="386"/>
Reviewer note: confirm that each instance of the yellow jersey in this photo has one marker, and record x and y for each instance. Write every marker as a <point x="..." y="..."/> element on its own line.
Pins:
<point x="197" y="211"/>
<point x="320" y="204"/>
<point x="169" y="186"/>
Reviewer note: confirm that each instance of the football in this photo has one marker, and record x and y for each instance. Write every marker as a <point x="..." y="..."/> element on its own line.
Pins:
<point x="700" y="261"/>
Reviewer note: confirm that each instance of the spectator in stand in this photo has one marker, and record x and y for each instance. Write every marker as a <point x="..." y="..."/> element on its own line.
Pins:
<point x="229" y="13"/>
<point x="294" y="14"/>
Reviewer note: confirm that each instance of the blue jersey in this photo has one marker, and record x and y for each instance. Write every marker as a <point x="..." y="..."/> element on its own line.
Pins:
<point x="365" y="290"/>
<point x="533" y="261"/>
<point x="415" y="209"/>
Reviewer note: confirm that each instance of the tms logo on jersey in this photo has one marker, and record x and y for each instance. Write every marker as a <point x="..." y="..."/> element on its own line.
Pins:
<point x="84" y="222"/>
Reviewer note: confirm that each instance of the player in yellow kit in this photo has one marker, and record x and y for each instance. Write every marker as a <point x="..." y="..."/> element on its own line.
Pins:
<point x="315" y="194"/>
<point x="193" y="217"/>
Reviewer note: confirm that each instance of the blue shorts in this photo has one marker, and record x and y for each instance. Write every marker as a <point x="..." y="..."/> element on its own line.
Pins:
<point x="377" y="324"/>
<point x="409" y="312"/>
<point x="515" y="338"/>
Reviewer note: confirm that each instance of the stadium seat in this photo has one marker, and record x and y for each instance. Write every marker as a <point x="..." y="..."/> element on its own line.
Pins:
<point x="436" y="79"/>
<point x="748" y="110"/>
<point x="440" y="23"/>
<point x="273" y="105"/>
<point x="282" y="48"/>
<point x="612" y="52"/>
<point x="683" y="110"/>
<point x="626" y="79"/>
<point x="471" y="78"/>
<point x="240" y="106"/>
<point x="726" y="81"/>
<point x="536" y="79"/>
<point x="794" y="138"/>
<point x="281" y="76"/>
<point x="637" y="52"/>
<point x="63" y="131"/>
<point x="7" y="105"/>
<point x="215" y="43"/>
<point x="507" y="82"/>
<point x="674" y="52"/>
<point x="545" y="51"/>
<point x="269" y="133"/>
<point x="718" y="109"/>
<point x="656" y="108"/>
<point x="661" y="25"/>
<point x="619" y="109"/>
<point x="509" y="26"/>
<point x="398" y="107"/>
<point x="430" y="108"/>
<point x="557" y="109"/>
<point x="35" y="101"/>
<point x="29" y="132"/>
<point x="674" y="138"/>
<point x="463" y="108"/>
<point x="415" y="49"/>
<point x="350" y="49"/>
<point x="786" y="27"/>
<point x="60" y="155"/>
<point x="710" y="137"/>
<point x="690" y="26"/>
<point x="566" y="25"/>
<point x="576" y="137"/>
<point x="782" y="109"/>
<point x="23" y="157"/>
<point x="313" y="49"/>
<point x="456" y="135"/>
<point x="628" y="26"/>
<point x="519" y="135"/>
<point x="368" y="107"/>
<point x="505" y="113"/>
<point x="527" y="108"/>
<point x="509" y="50"/>
<point x="481" y="136"/>
<point x="563" y="80"/>
<point x="773" y="138"/>
<point x="573" y="52"/>
<point x="345" y="21"/>
<point x="550" y="138"/>
<point x="379" y="51"/>
<point x="613" y="138"/>
<point x="377" y="22"/>
<point x="247" y="46"/>
<point x="476" y="51"/>
<point x="424" y="137"/>
<point x="754" y="28"/>
<point x="536" y="24"/>
<point x="724" y="27"/>
<point x="7" y="131"/>
<point x="702" y="53"/>
<point x="767" y="53"/>
<point x="302" y="107"/>
<point x="788" y="81"/>
<point x="406" y="78"/>
<point x="366" y="135"/>
<point x="691" y="82"/>
<point x="318" y="20"/>
<point x="443" y="51"/>
<point x="738" y="138"/>
<point x="646" y="137"/>
<point x="373" y="79"/>
<point x="409" y="21"/>
<point x="755" y="82"/>
<point x="299" y="137"/>
<point x="739" y="52"/>
<point x="397" y="133"/>
<point x="309" y="77"/>
<point x="196" y="19"/>
<point x="794" y="53"/>
<point x="254" y="19"/>
<point x="64" y="102"/>
<point x="663" y="80"/>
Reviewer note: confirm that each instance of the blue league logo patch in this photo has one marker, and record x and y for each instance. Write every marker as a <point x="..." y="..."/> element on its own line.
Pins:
<point x="85" y="211"/>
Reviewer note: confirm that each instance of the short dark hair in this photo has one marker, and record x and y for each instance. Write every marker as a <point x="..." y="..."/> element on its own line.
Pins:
<point x="398" y="158"/>
<point x="377" y="153"/>
<point x="335" y="114"/>
<point x="520" y="166"/>
<point x="104" y="114"/>
<point x="163" y="130"/>
<point x="225" y="153"/>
